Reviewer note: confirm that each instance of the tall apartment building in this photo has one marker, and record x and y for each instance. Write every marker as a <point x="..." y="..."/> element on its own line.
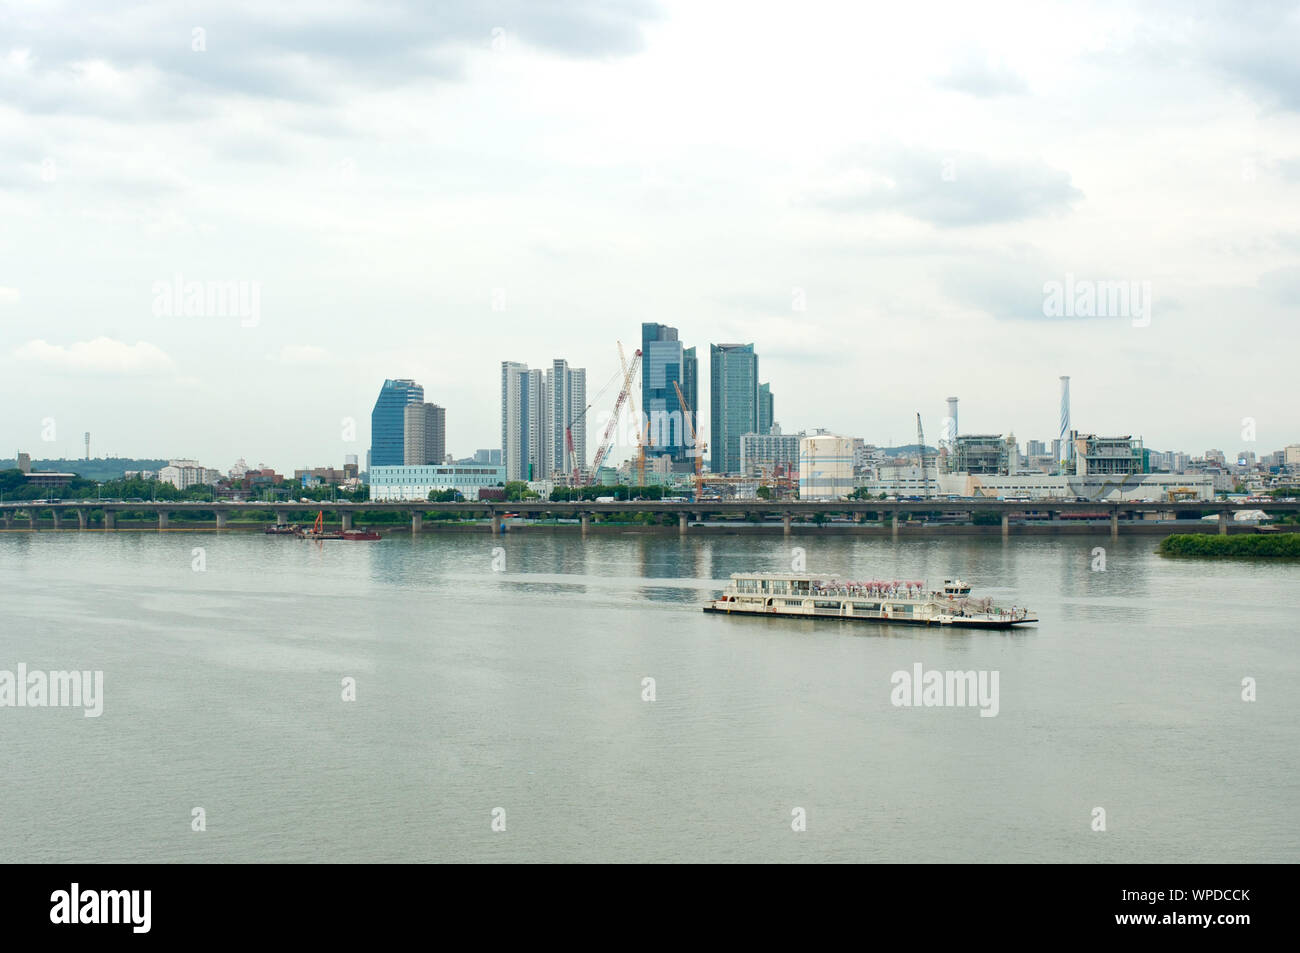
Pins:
<point x="425" y="435"/>
<point x="536" y="409"/>
<point x="733" y="410"/>
<point x="566" y="403"/>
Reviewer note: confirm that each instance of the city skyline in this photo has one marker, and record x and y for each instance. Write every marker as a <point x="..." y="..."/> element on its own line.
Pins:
<point x="394" y="404"/>
<point x="948" y="244"/>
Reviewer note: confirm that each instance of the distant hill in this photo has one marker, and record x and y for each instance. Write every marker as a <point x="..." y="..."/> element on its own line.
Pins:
<point x="99" y="469"/>
<point x="907" y="450"/>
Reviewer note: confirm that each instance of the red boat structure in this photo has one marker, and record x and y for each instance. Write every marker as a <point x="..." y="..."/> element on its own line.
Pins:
<point x="318" y="531"/>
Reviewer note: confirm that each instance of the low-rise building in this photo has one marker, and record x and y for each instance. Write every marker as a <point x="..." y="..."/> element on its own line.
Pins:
<point x="900" y="480"/>
<point x="186" y="473"/>
<point x="416" y="483"/>
<point x="48" y="478"/>
<point x="316" y="476"/>
<point x="761" y="452"/>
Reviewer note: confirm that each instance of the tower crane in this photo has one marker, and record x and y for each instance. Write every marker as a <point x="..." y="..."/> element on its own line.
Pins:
<point x="606" y="440"/>
<point x="574" y="475"/>
<point x="642" y="427"/>
<point x="695" y="442"/>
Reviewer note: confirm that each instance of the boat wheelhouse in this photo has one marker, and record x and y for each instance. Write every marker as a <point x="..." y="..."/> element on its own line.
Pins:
<point x="904" y="602"/>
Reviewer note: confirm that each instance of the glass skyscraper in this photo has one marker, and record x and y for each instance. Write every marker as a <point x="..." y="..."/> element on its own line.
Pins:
<point x="388" y="422"/>
<point x="663" y="362"/>
<point x="734" y="408"/>
<point x="765" y="408"/>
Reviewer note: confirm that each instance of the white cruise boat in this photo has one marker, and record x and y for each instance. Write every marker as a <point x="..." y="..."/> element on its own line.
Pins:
<point x="891" y="602"/>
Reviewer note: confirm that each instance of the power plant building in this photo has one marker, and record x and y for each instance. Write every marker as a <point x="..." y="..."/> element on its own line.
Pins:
<point x="1107" y="456"/>
<point x="825" y="467"/>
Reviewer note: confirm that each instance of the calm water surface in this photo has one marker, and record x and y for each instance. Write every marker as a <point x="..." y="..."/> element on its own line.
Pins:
<point x="522" y="690"/>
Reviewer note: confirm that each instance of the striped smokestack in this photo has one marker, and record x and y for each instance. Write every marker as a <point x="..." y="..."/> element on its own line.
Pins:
<point x="1067" y="446"/>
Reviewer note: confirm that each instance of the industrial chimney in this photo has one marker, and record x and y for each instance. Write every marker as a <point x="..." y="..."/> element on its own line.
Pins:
<point x="1067" y="445"/>
<point x="952" y="418"/>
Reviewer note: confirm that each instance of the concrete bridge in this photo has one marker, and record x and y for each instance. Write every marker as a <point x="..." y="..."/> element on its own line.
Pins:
<point x="15" y="514"/>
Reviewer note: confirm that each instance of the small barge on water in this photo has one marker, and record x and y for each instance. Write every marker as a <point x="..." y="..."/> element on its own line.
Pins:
<point x="318" y="531"/>
<point x="893" y="602"/>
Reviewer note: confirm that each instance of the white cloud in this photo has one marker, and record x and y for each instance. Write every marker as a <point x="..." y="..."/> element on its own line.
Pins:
<point x="302" y="354"/>
<point x="100" y="356"/>
<point x="543" y="199"/>
<point x="8" y="295"/>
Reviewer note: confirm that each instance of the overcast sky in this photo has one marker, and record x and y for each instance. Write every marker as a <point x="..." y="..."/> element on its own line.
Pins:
<point x="875" y="195"/>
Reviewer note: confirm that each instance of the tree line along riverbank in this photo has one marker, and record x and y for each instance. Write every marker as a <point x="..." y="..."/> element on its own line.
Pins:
<point x="1256" y="545"/>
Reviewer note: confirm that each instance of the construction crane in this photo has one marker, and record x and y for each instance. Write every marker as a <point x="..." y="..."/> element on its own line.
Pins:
<point x="925" y="471"/>
<point x="606" y="440"/>
<point x="695" y="441"/>
<point x="642" y="432"/>
<point x="568" y="448"/>
<point x="574" y="474"/>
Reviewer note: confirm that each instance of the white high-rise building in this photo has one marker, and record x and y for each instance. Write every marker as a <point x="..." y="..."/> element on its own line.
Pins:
<point x="566" y="401"/>
<point x="513" y="435"/>
<point x="536" y="408"/>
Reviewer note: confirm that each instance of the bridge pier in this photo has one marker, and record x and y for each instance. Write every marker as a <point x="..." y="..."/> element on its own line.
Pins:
<point x="417" y="521"/>
<point x="281" y="518"/>
<point x="682" y="524"/>
<point x="81" y="519"/>
<point x="221" y="519"/>
<point x="1223" y="523"/>
<point x="893" y="526"/>
<point x="586" y="518"/>
<point x="496" y="523"/>
<point x="1114" y="524"/>
<point x="162" y="519"/>
<point x="347" y="520"/>
<point x="58" y="521"/>
<point x="108" y="519"/>
<point x="9" y="519"/>
<point x="786" y="520"/>
<point x="1006" y="524"/>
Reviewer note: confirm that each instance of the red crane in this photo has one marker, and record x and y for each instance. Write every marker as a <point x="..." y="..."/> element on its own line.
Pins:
<point x="606" y="441"/>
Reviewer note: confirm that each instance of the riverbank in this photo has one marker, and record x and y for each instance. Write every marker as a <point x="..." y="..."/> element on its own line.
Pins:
<point x="1256" y="546"/>
<point x="711" y="528"/>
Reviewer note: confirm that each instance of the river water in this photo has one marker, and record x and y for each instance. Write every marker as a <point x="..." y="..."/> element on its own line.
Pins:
<point x="510" y="687"/>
